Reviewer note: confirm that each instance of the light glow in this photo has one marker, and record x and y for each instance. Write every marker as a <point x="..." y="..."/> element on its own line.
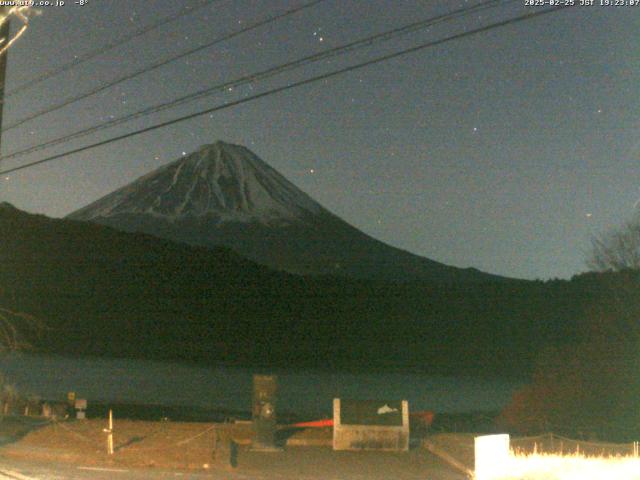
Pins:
<point x="22" y="14"/>
<point x="538" y="466"/>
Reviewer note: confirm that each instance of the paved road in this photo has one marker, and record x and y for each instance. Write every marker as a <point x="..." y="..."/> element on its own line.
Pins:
<point x="11" y="469"/>
<point x="28" y="470"/>
<point x="18" y="469"/>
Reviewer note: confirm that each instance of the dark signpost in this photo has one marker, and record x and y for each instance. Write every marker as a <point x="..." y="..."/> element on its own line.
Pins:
<point x="264" y="412"/>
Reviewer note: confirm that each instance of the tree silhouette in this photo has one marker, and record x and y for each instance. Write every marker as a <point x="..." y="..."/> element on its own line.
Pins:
<point x="617" y="249"/>
<point x="18" y="330"/>
<point x="591" y="383"/>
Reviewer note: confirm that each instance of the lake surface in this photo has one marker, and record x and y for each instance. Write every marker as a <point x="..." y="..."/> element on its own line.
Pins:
<point x="230" y="388"/>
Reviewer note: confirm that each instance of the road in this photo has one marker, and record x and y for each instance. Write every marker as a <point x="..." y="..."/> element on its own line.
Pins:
<point x="11" y="469"/>
<point x="18" y="469"/>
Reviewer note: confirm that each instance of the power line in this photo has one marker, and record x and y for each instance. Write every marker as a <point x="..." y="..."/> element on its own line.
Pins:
<point x="28" y="84"/>
<point x="339" y="50"/>
<point x="521" y="18"/>
<point x="162" y="63"/>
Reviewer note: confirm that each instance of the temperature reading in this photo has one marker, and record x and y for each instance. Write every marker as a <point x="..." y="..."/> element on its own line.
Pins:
<point x="82" y="2"/>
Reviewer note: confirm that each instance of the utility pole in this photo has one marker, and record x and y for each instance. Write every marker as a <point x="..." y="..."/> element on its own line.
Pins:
<point x="5" y="31"/>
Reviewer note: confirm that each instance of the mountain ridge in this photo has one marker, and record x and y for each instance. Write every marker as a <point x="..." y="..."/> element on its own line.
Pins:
<point x="224" y="194"/>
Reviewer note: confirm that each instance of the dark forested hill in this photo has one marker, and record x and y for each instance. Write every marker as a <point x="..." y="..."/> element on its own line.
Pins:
<point x="105" y="292"/>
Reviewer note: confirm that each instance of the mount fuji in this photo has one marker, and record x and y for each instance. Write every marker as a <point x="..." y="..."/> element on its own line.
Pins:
<point x="223" y="194"/>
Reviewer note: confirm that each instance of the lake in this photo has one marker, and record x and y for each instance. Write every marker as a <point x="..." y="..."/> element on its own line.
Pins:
<point x="230" y="388"/>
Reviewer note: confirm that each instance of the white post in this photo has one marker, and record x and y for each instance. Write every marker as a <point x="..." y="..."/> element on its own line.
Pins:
<point x="336" y="420"/>
<point x="492" y="456"/>
<point x="109" y="431"/>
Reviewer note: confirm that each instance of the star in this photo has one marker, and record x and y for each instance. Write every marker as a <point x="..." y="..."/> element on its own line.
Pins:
<point x="312" y="171"/>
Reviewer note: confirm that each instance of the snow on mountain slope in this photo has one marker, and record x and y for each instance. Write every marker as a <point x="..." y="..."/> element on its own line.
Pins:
<point x="224" y="181"/>
<point x="224" y="194"/>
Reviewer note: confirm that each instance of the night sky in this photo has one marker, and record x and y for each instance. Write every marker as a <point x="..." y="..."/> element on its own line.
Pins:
<point x="505" y="151"/>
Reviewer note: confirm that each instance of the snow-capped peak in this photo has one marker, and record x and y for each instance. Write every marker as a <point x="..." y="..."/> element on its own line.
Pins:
<point x="221" y="180"/>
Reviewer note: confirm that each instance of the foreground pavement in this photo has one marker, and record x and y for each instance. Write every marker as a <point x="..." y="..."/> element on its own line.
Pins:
<point x="12" y="469"/>
<point x="168" y="450"/>
<point x="304" y="467"/>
